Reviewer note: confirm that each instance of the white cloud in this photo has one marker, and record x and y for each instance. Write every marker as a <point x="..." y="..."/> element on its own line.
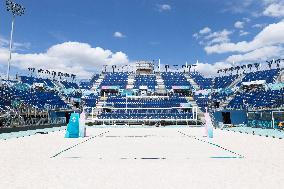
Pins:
<point x="260" y="54"/>
<point x="205" y="30"/>
<point x="210" y="70"/>
<point x="238" y="6"/>
<point x="271" y="35"/>
<point x="259" y="25"/>
<point x="239" y="25"/>
<point x="202" y="33"/>
<point x="71" y="57"/>
<point x="247" y="20"/>
<point x="218" y="37"/>
<point x="274" y="10"/>
<point x="164" y="7"/>
<point x="255" y="8"/>
<point x="16" y="45"/>
<point x="207" y="37"/>
<point x="118" y="34"/>
<point x="268" y="2"/>
<point x="243" y="33"/>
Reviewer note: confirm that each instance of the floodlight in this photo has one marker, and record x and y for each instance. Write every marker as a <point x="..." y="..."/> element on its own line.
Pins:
<point x="16" y="10"/>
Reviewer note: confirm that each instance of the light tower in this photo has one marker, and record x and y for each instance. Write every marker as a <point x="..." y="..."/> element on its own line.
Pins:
<point x="16" y="10"/>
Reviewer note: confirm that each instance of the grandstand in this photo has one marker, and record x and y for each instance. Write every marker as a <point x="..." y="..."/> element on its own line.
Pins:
<point x="124" y="111"/>
<point x="145" y="124"/>
<point x="148" y="96"/>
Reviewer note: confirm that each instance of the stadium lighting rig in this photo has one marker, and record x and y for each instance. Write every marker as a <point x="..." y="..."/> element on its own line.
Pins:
<point x="16" y="10"/>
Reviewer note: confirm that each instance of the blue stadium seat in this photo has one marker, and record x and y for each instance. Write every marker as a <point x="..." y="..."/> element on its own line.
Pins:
<point x="174" y="79"/>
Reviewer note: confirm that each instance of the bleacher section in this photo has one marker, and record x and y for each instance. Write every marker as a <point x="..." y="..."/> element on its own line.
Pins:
<point x="202" y="101"/>
<point x="72" y="94"/>
<point x="33" y="80"/>
<point x="90" y="100"/>
<point x="270" y="76"/>
<point x="94" y="78"/>
<point x="224" y="81"/>
<point x="37" y="99"/>
<point x="204" y="83"/>
<point x="259" y="99"/>
<point x="5" y="99"/>
<point x="69" y="85"/>
<point x="145" y="80"/>
<point x="146" y="114"/>
<point x="174" y="79"/>
<point x="221" y="96"/>
<point x="115" y="79"/>
<point x="85" y="85"/>
<point x="146" y="108"/>
<point x="123" y="102"/>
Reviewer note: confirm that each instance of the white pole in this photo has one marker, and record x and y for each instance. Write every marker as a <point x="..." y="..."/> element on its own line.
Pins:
<point x="92" y="113"/>
<point x="126" y="102"/>
<point x="10" y="48"/>
<point x="159" y="65"/>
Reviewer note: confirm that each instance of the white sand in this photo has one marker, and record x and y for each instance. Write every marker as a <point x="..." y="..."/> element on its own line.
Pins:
<point x="120" y="159"/>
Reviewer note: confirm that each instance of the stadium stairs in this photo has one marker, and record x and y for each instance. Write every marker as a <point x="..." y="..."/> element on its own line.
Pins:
<point x="225" y="103"/>
<point x="200" y="114"/>
<point x="192" y="82"/>
<point x="161" y="86"/>
<point x="130" y="81"/>
<point x="58" y="85"/>
<point x="65" y="99"/>
<point x="237" y="81"/>
<point x="281" y="76"/>
<point x="98" y="82"/>
<point x="98" y="109"/>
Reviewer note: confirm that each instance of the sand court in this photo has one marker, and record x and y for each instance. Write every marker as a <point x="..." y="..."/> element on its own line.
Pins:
<point x="142" y="158"/>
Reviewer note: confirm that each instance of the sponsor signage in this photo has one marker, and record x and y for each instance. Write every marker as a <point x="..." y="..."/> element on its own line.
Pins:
<point x="185" y="105"/>
<point x="180" y="87"/>
<point x="110" y="87"/>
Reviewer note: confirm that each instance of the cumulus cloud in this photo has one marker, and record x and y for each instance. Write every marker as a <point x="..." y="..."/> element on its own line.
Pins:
<point x="219" y="37"/>
<point x="211" y="38"/>
<point x="260" y="54"/>
<point x="210" y="70"/>
<point x="238" y="6"/>
<point x="243" y="33"/>
<point x="202" y="33"/>
<point x="164" y="7"/>
<point x="207" y="37"/>
<point x="255" y="8"/>
<point x="275" y="10"/>
<point x="16" y="45"/>
<point x="70" y="57"/>
<point x="239" y="25"/>
<point x="205" y="30"/>
<point x="118" y="35"/>
<point x="247" y="20"/>
<point x="259" y="25"/>
<point x="271" y="35"/>
<point x="267" y="44"/>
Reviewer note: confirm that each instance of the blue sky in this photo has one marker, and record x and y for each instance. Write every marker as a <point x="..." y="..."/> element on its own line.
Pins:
<point x="174" y="31"/>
